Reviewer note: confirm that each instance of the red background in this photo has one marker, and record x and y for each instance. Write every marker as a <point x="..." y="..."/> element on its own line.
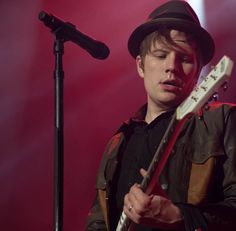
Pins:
<point x="98" y="96"/>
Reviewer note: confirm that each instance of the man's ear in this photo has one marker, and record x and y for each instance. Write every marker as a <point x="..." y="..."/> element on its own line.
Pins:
<point x="140" y="67"/>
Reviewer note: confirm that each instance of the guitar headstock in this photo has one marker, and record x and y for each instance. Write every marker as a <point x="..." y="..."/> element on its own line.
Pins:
<point x="209" y="85"/>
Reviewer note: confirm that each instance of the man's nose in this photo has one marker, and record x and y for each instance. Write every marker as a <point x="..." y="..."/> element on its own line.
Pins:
<point x="171" y="63"/>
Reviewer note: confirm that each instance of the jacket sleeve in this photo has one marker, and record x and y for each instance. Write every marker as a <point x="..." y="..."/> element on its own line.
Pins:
<point x="95" y="220"/>
<point x="98" y="217"/>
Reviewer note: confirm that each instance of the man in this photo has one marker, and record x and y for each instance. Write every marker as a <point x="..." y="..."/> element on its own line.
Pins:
<point x="199" y="178"/>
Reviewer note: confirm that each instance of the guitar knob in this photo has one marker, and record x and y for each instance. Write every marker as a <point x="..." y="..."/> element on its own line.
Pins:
<point x="215" y="96"/>
<point x="225" y="86"/>
<point x="206" y="106"/>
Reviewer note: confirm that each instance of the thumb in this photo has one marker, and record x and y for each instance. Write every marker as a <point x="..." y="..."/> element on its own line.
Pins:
<point x="143" y="172"/>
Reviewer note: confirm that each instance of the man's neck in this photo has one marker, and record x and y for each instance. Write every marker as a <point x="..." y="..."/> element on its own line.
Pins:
<point x="153" y="111"/>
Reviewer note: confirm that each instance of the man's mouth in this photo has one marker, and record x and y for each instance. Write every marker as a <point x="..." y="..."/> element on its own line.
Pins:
<point x="171" y="85"/>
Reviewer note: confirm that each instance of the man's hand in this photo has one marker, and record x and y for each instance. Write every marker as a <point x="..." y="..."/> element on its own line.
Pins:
<point x="151" y="210"/>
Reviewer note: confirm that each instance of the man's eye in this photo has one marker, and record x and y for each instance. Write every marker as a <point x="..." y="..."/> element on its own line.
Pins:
<point x="160" y="56"/>
<point x="186" y="59"/>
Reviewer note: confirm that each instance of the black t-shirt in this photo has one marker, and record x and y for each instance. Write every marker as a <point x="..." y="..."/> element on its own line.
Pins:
<point x="136" y="153"/>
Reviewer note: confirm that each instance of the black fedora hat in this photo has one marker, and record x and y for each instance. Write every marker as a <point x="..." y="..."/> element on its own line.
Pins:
<point x="174" y="15"/>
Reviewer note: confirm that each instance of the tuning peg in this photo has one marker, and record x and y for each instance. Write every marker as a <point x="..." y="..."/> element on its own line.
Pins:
<point x="213" y="67"/>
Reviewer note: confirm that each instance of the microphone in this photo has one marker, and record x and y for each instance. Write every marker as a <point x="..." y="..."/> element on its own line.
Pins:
<point x="69" y="32"/>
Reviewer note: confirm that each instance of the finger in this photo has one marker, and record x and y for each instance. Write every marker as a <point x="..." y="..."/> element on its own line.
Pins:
<point x="143" y="172"/>
<point x="136" y="193"/>
<point x="139" y="200"/>
<point x="127" y="202"/>
<point x="131" y="200"/>
<point x="131" y="214"/>
<point x="130" y="210"/>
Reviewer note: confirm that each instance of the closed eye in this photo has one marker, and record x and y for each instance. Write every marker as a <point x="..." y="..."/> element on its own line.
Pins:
<point x="160" y="54"/>
<point x="186" y="59"/>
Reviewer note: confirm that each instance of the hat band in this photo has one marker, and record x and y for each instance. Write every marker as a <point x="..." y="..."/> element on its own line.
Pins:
<point x="176" y="16"/>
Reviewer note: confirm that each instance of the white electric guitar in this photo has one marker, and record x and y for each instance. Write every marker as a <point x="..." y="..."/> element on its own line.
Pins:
<point x="198" y="98"/>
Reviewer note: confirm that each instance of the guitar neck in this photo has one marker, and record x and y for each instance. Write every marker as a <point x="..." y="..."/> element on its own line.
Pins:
<point x="162" y="153"/>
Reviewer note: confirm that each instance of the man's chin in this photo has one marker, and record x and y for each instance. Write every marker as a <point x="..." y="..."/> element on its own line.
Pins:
<point x="173" y="102"/>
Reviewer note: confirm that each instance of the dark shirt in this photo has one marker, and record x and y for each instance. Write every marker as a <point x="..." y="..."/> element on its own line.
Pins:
<point x="136" y="153"/>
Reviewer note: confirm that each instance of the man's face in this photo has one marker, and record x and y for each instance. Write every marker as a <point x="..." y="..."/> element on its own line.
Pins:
<point x="169" y="73"/>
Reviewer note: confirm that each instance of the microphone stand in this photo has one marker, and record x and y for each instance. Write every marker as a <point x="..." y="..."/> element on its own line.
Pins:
<point x="64" y="32"/>
<point x="59" y="133"/>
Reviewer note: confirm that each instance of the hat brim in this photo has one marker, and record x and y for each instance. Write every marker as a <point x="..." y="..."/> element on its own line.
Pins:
<point x="203" y="38"/>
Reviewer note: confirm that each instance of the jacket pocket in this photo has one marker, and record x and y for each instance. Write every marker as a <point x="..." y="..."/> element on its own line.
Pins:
<point x="201" y="152"/>
<point x="203" y="158"/>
